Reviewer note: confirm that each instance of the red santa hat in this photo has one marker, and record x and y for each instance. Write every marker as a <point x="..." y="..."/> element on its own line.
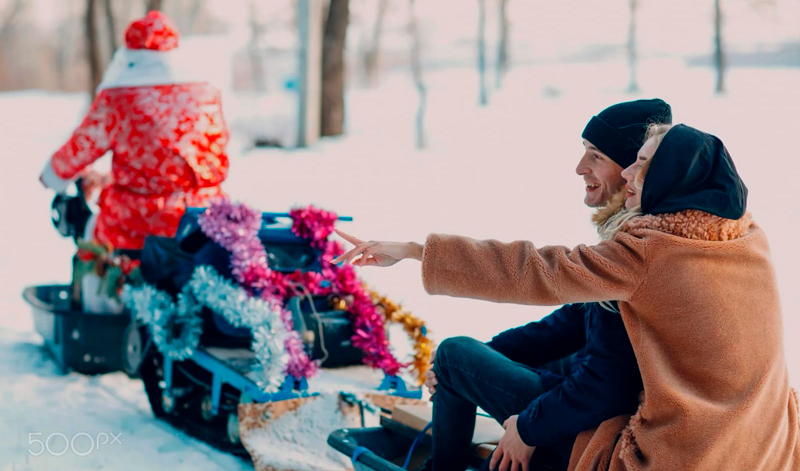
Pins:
<point x="151" y="56"/>
<point x="155" y="32"/>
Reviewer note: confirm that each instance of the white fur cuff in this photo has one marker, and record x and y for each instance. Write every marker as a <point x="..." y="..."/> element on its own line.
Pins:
<point x="53" y="181"/>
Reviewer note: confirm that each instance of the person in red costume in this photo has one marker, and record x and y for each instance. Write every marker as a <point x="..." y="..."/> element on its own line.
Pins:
<point x="165" y="129"/>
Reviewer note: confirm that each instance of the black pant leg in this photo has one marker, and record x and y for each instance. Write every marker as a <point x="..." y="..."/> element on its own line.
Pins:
<point x="470" y="374"/>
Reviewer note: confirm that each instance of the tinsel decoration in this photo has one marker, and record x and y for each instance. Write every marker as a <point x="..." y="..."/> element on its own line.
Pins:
<point x="414" y="327"/>
<point x="235" y="227"/>
<point x="316" y="225"/>
<point x="313" y="224"/>
<point x="232" y="302"/>
<point x="145" y="302"/>
<point x="175" y="329"/>
<point x="269" y="350"/>
<point x="242" y="310"/>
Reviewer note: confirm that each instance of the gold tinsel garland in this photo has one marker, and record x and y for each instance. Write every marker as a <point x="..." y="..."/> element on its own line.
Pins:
<point x="414" y="327"/>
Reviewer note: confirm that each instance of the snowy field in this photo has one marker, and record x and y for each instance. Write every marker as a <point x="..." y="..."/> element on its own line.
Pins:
<point x="505" y="171"/>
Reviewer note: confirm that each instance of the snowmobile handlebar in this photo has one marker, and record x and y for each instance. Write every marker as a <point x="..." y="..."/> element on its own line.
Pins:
<point x="267" y="216"/>
<point x="70" y="214"/>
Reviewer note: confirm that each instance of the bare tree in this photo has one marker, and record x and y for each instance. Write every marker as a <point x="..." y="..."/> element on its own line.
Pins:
<point x="111" y="26"/>
<point x="332" y="118"/>
<point x="8" y="19"/>
<point x="93" y="47"/>
<point x="309" y="17"/>
<point x="719" y="57"/>
<point x="416" y="71"/>
<point x="195" y="9"/>
<point x="154" y="5"/>
<point x="9" y="16"/>
<point x="63" y="48"/>
<point x="483" y="93"/>
<point x="253" y="47"/>
<point x="502" y="44"/>
<point x="633" y="84"/>
<point x="371" y="55"/>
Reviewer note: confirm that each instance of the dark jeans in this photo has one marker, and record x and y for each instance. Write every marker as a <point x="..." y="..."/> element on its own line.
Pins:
<point x="471" y="374"/>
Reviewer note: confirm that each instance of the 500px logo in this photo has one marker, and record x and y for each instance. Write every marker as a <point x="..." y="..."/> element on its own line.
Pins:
<point x="81" y="443"/>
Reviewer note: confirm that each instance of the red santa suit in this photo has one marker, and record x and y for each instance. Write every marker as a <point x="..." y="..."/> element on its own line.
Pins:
<point x="165" y="130"/>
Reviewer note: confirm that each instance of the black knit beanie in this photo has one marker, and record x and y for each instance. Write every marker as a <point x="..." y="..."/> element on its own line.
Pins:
<point x="618" y="131"/>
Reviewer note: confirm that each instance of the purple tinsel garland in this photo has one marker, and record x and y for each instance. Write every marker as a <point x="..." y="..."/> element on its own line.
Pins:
<point x="235" y="227"/>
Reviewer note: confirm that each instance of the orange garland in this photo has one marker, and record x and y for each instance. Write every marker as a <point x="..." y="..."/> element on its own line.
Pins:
<point x="414" y="327"/>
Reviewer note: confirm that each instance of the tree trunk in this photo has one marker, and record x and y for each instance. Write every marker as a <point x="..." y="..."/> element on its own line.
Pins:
<point x="194" y="14"/>
<point x="719" y="57"/>
<point x="310" y="18"/>
<point x="112" y="29"/>
<point x="633" y="84"/>
<point x="9" y="17"/>
<point x="256" y="63"/>
<point x="373" y="52"/>
<point x="62" y="54"/>
<point x="154" y="5"/>
<point x="332" y="118"/>
<point x="92" y="47"/>
<point x="416" y="71"/>
<point x="502" y="45"/>
<point x="483" y="94"/>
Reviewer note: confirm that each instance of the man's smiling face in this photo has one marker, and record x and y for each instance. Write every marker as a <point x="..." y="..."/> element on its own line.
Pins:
<point x="602" y="176"/>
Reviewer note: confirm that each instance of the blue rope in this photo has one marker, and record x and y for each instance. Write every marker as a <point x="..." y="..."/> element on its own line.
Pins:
<point x="414" y="444"/>
<point x="360" y="450"/>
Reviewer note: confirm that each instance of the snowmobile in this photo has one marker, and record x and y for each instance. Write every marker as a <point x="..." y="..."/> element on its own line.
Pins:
<point x="201" y="393"/>
<point x="198" y="394"/>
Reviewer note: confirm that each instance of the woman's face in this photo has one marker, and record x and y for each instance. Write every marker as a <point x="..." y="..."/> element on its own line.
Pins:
<point x="629" y="174"/>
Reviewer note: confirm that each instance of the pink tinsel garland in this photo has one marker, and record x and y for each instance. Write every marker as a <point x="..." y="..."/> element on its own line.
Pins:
<point x="370" y="335"/>
<point x="235" y="227"/>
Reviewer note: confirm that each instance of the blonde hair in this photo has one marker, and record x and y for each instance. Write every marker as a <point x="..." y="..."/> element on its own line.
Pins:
<point x="614" y="223"/>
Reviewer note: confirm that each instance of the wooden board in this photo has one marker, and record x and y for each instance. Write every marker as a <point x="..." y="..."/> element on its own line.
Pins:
<point x="487" y="430"/>
<point x="241" y="360"/>
<point x="388" y="402"/>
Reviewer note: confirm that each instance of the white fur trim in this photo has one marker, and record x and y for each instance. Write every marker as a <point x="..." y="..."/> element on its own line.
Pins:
<point x="53" y="181"/>
<point x="143" y="67"/>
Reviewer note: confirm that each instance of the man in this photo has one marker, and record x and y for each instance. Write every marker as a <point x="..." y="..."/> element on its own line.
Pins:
<point x="548" y="380"/>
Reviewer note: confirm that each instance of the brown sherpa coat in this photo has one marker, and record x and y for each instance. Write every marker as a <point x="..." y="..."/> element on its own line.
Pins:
<point x="699" y="299"/>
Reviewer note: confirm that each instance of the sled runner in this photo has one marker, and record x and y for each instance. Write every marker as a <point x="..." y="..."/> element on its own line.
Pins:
<point x="402" y="442"/>
<point x="87" y="343"/>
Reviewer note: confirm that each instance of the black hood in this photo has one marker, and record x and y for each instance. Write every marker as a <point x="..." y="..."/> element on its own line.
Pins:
<point x="693" y="170"/>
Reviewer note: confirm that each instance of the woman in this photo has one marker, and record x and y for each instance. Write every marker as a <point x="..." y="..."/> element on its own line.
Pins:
<point x="698" y="296"/>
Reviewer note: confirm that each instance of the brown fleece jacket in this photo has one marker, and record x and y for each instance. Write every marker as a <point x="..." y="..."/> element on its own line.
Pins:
<point x="699" y="299"/>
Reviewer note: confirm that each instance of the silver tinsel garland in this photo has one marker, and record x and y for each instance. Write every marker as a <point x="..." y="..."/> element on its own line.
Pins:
<point x="242" y="310"/>
<point x="208" y="288"/>
<point x="157" y="309"/>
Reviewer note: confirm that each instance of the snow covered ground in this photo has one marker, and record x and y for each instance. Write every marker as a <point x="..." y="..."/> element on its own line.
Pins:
<point x="505" y="171"/>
